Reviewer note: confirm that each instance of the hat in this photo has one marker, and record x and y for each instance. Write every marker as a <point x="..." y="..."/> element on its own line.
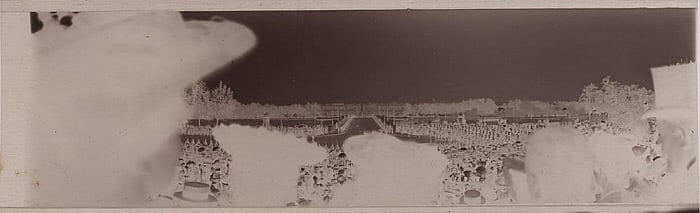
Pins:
<point x="472" y="196"/>
<point x="639" y="150"/>
<point x="675" y="91"/>
<point x="196" y="192"/>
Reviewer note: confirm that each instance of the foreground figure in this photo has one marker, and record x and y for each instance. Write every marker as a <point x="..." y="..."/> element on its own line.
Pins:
<point x="559" y="167"/>
<point x="108" y="102"/>
<point x="390" y="172"/>
<point x="563" y="166"/>
<point x="677" y="111"/>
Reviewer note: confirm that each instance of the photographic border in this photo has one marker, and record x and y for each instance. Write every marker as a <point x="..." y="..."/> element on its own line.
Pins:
<point x="15" y="62"/>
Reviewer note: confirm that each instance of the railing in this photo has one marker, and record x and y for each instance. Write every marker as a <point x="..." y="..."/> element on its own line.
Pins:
<point x="346" y="123"/>
<point x="195" y="130"/>
<point x="382" y="125"/>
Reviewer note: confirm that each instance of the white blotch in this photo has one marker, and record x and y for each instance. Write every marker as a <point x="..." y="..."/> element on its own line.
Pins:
<point x="391" y="172"/>
<point x="265" y="164"/>
<point x="111" y="72"/>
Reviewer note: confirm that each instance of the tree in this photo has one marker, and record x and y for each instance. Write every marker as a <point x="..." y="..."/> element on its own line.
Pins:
<point x="222" y="103"/>
<point x="198" y="100"/>
<point x="204" y="103"/>
<point x="222" y="94"/>
<point x="482" y="107"/>
<point x="622" y="103"/>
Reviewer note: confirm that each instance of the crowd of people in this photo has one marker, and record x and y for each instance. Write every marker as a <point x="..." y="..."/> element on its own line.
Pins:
<point x="467" y="132"/>
<point x="649" y="134"/>
<point x="317" y="182"/>
<point x="475" y="152"/>
<point x="475" y="172"/>
<point x="204" y="161"/>
<point x="588" y="127"/>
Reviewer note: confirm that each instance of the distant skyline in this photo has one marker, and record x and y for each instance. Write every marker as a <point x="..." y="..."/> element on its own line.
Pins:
<point x="449" y="55"/>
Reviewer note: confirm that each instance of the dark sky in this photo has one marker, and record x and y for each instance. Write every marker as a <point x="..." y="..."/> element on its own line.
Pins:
<point x="450" y="55"/>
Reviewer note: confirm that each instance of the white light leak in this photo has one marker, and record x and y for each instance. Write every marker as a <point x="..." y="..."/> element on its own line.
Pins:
<point x="109" y="102"/>
<point x="390" y="172"/>
<point x="265" y="164"/>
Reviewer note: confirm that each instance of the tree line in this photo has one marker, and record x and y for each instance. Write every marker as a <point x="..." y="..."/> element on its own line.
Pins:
<point x="620" y="102"/>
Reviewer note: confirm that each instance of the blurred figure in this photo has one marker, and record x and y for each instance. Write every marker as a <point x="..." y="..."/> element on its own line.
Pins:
<point x="265" y="165"/>
<point x="615" y="164"/>
<point x="385" y="165"/>
<point x="107" y="102"/>
<point x="559" y="167"/>
<point x="676" y="112"/>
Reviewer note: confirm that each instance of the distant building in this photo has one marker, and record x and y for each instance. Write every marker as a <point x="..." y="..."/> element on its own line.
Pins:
<point x="493" y="120"/>
<point x="340" y="109"/>
<point x="337" y="109"/>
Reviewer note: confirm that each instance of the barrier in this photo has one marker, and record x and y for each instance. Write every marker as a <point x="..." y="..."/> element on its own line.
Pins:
<point x="381" y="124"/>
<point x="346" y="123"/>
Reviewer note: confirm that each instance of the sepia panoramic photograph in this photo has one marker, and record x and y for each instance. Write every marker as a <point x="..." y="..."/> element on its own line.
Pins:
<point x="363" y="108"/>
